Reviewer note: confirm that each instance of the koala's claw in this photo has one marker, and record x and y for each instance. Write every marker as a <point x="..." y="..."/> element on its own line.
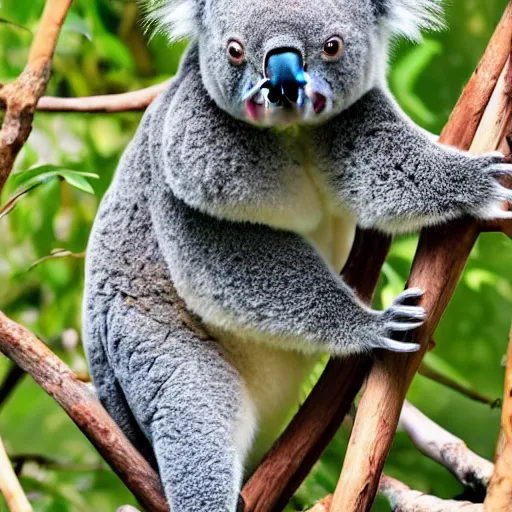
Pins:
<point x="402" y="316"/>
<point x="403" y="327"/>
<point x="410" y="312"/>
<point x="495" y="210"/>
<point x="504" y="193"/>
<point x="409" y="296"/>
<point x="499" y="169"/>
<point x="490" y="194"/>
<point x="396" y="346"/>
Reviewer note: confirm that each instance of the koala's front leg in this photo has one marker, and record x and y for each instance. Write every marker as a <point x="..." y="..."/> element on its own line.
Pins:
<point x="271" y="285"/>
<point x="395" y="178"/>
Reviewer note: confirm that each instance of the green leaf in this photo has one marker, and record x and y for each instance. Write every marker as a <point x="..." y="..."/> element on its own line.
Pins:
<point x="37" y="175"/>
<point x="78" y="181"/>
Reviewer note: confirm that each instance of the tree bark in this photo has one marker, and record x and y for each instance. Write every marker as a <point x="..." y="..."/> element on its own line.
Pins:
<point x="499" y="496"/>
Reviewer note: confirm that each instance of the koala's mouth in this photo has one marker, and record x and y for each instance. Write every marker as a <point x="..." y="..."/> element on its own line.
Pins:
<point x="286" y="93"/>
<point x="265" y="105"/>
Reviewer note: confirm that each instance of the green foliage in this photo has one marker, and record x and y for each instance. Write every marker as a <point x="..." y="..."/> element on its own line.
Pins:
<point x="70" y="157"/>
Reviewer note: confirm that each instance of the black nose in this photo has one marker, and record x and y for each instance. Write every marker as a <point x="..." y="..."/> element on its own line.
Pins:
<point x="285" y="71"/>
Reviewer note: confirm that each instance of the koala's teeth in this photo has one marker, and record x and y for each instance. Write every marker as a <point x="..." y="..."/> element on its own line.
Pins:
<point x="259" y="99"/>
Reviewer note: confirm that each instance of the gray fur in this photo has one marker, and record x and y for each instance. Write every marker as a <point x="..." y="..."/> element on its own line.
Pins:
<point x="396" y="179"/>
<point x="212" y="215"/>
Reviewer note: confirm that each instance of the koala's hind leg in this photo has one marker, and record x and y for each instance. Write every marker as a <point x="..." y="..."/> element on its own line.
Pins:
<point x="111" y="396"/>
<point x="189" y="400"/>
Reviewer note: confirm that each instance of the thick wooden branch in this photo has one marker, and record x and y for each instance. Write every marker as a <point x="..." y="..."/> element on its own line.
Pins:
<point x="10" y="486"/>
<point x="439" y="262"/>
<point x="107" y="103"/>
<point x="467" y="114"/>
<point x="19" y="99"/>
<point x="34" y="357"/>
<point x="499" y="496"/>
<point x="404" y="499"/>
<point x="448" y="450"/>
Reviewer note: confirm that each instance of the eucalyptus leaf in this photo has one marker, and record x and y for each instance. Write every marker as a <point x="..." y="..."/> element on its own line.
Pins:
<point x="77" y="179"/>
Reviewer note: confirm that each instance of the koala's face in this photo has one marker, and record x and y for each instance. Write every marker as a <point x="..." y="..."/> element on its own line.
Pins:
<point x="272" y="62"/>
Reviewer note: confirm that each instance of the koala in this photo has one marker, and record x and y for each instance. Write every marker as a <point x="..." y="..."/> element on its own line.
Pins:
<point x="235" y="205"/>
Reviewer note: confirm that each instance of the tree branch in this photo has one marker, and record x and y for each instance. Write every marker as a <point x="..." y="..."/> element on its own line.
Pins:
<point x="19" y="99"/>
<point x="498" y="226"/>
<point x="32" y="355"/>
<point x="404" y="499"/>
<point x="439" y="262"/>
<point x="10" y="486"/>
<point x="19" y="461"/>
<point x="499" y="496"/>
<point x="448" y="450"/>
<point x="430" y="373"/>
<point x="12" y="379"/>
<point x="108" y="103"/>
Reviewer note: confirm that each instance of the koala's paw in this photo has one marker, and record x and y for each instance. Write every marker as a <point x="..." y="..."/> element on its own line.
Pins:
<point x="402" y="316"/>
<point x="491" y="194"/>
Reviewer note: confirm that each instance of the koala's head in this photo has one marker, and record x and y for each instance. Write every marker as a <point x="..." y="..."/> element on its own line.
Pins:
<point x="273" y="62"/>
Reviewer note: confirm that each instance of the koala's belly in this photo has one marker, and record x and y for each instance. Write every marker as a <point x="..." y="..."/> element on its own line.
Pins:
<point x="273" y="378"/>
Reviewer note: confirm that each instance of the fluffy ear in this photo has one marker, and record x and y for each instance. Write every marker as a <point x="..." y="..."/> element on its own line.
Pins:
<point x="179" y="19"/>
<point x="409" y="17"/>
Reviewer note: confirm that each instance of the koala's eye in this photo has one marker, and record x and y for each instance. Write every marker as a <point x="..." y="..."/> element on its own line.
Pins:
<point x="236" y="52"/>
<point x="332" y="48"/>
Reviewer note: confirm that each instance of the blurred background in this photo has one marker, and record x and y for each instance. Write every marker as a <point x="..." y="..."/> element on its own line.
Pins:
<point x="70" y="161"/>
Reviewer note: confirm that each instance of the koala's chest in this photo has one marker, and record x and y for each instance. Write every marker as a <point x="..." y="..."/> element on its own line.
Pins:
<point x="311" y="210"/>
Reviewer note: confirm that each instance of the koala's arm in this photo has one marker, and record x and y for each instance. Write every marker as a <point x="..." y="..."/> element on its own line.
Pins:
<point x="396" y="178"/>
<point x="270" y="285"/>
